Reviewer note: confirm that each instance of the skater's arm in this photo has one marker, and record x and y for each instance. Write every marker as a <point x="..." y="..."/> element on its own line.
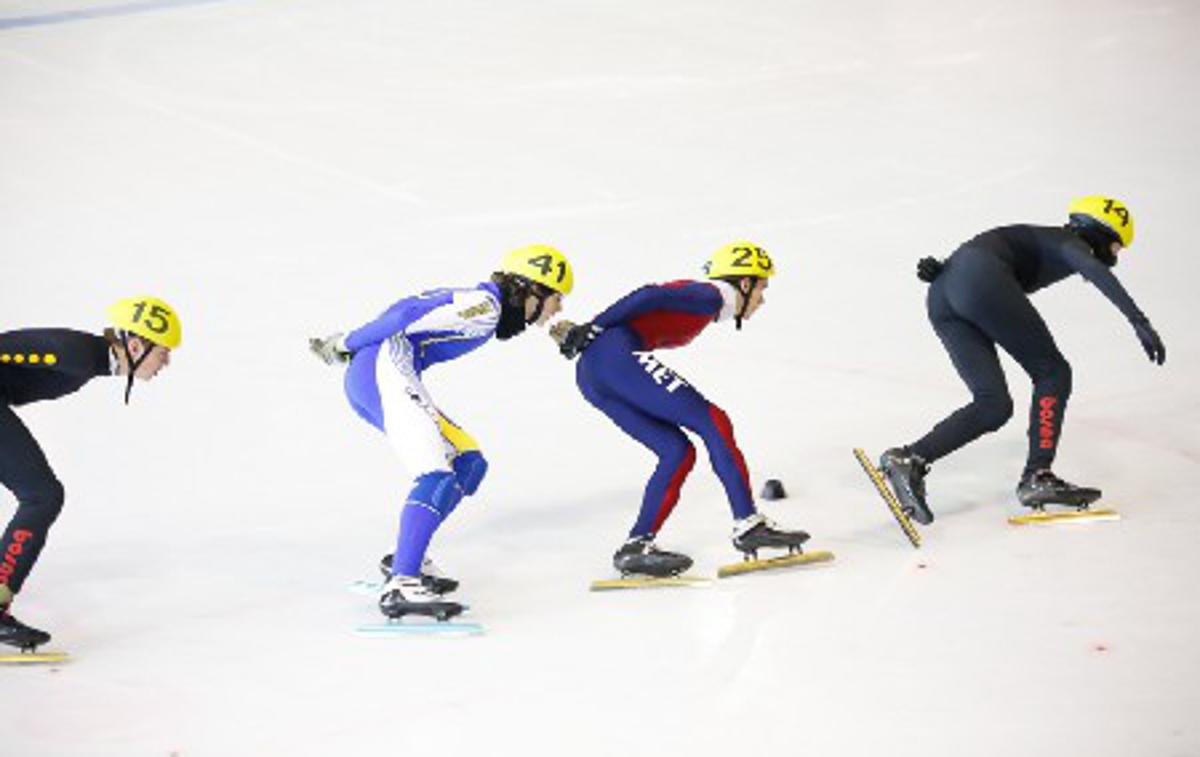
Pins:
<point x="1079" y="258"/>
<point x="394" y="320"/>
<point x="74" y="353"/>
<point x="684" y="297"/>
<point x="469" y="313"/>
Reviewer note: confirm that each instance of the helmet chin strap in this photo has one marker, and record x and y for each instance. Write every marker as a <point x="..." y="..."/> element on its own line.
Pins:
<point x="132" y="364"/>
<point x="741" y="314"/>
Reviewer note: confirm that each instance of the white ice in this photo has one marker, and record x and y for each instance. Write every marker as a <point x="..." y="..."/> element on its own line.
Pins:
<point x="280" y="169"/>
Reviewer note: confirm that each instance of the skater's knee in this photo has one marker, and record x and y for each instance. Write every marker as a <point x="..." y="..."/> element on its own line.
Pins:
<point x="47" y="497"/>
<point x="1053" y="376"/>
<point x="439" y="491"/>
<point x="718" y="428"/>
<point x="676" y="452"/>
<point x="470" y="468"/>
<point x="994" y="411"/>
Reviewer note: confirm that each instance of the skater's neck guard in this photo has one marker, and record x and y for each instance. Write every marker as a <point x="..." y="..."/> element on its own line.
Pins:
<point x="514" y="291"/>
<point x="1097" y="236"/>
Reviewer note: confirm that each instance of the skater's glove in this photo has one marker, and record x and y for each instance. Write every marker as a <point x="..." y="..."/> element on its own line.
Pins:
<point x="330" y="349"/>
<point x="1150" y="340"/>
<point x="929" y="268"/>
<point x="577" y="339"/>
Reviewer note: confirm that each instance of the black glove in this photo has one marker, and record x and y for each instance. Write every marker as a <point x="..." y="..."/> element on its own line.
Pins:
<point x="578" y="338"/>
<point x="1150" y="340"/>
<point x="929" y="268"/>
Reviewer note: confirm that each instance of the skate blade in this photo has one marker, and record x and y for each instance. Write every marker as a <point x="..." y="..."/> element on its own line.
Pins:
<point x="787" y="561"/>
<point x="419" y="628"/>
<point x="650" y="583"/>
<point x="889" y="498"/>
<point x="1069" y="516"/>
<point x="34" y="658"/>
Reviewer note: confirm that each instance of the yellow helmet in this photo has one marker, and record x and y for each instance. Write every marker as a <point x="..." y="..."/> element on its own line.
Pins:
<point x="740" y="258"/>
<point x="148" y="317"/>
<point x="543" y="264"/>
<point x="1107" y="212"/>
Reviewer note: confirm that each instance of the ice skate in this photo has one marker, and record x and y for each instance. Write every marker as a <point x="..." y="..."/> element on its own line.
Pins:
<point x="407" y="595"/>
<point x="641" y="557"/>
<point x="758" y="532"/>
<point x="1041" y="488"/>
<point x="906" y="474"/>
<point x="16" y="634"/>
<point x="431" y="577"/>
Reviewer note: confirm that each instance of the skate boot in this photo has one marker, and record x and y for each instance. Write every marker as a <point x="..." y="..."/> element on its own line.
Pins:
<point x="407" y="595"/>
<point x="758" y="531"/>
<point x="1041" y="488"/>
<point x="431" y="577"/>
<point x="906" y="474"/>
<point x="15" y="633"/>
<point x="640" y="556"/>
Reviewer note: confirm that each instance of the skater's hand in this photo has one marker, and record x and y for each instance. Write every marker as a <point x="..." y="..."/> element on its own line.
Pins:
<point x="330" y="349"/>
<point x="576" y="339"/>
<point x="1150" y="340"/>
<point x="929" y="268"/>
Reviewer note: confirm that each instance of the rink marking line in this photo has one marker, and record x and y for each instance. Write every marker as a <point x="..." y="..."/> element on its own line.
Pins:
<point x="109" y="11"/>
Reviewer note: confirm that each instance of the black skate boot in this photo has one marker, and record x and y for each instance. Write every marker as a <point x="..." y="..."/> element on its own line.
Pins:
<point x="431" y="577"/>
<point x="1041" y="488"/>
<point x="407" y="595"/>
<point x="640" y="556"/>
<point x="906" y="474"/>
<point x="16" y="634"/>
<point x="758" y="532"/>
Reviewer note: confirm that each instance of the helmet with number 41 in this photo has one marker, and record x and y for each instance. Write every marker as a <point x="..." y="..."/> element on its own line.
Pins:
<point x="542" y="264"/>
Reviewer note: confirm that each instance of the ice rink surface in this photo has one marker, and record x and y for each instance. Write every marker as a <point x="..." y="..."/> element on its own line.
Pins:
<point x="280" y="169"/>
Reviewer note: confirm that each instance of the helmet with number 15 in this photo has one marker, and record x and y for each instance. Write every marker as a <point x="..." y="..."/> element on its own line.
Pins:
<point x="155" y="323"/>
<point x="148" y="317"/>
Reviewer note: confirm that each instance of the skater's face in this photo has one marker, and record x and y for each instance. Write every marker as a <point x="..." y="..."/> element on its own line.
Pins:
<point x="551" y="308"/>
<point x="756" y="295"/>
<point x="158" y="358"/>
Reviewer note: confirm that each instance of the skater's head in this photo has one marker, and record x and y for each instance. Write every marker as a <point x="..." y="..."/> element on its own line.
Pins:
<point x="747" y="267"/>
<point x="1105" y="224"/>
<point x="146" y="330"/>
<point x="533" y="281"/>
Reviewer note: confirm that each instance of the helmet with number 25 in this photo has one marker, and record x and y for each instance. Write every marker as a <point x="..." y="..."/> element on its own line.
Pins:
<point x="148" y="317"/>
<point x="542" y="264"/>
<point x="740" y="258"/>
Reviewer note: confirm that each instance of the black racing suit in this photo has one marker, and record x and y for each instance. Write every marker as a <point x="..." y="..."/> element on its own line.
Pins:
<point x="36" y="364"/>
<point x="980" y="300"/>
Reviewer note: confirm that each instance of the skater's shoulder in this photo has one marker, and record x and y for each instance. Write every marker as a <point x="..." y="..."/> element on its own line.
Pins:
<point x="48" y="343"/>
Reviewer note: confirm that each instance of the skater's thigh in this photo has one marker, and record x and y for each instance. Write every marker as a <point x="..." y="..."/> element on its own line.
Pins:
<point x="23" y="465"/>
<point x="644" y="382"/>
<point x="411" y="421"/>
<point x="1007" y="316"/>
<point x="972" y="352"/>
<point x="655" y="434"/>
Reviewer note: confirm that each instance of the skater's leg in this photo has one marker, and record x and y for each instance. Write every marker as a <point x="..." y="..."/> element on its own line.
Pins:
<point x="1007" y="316"/>
<point x="648" y="386"/>
<point x="676" y="456"/>
<point x="974" y="356"/>
<point x="413" y="426"/>
<point x="25" y="472"/>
